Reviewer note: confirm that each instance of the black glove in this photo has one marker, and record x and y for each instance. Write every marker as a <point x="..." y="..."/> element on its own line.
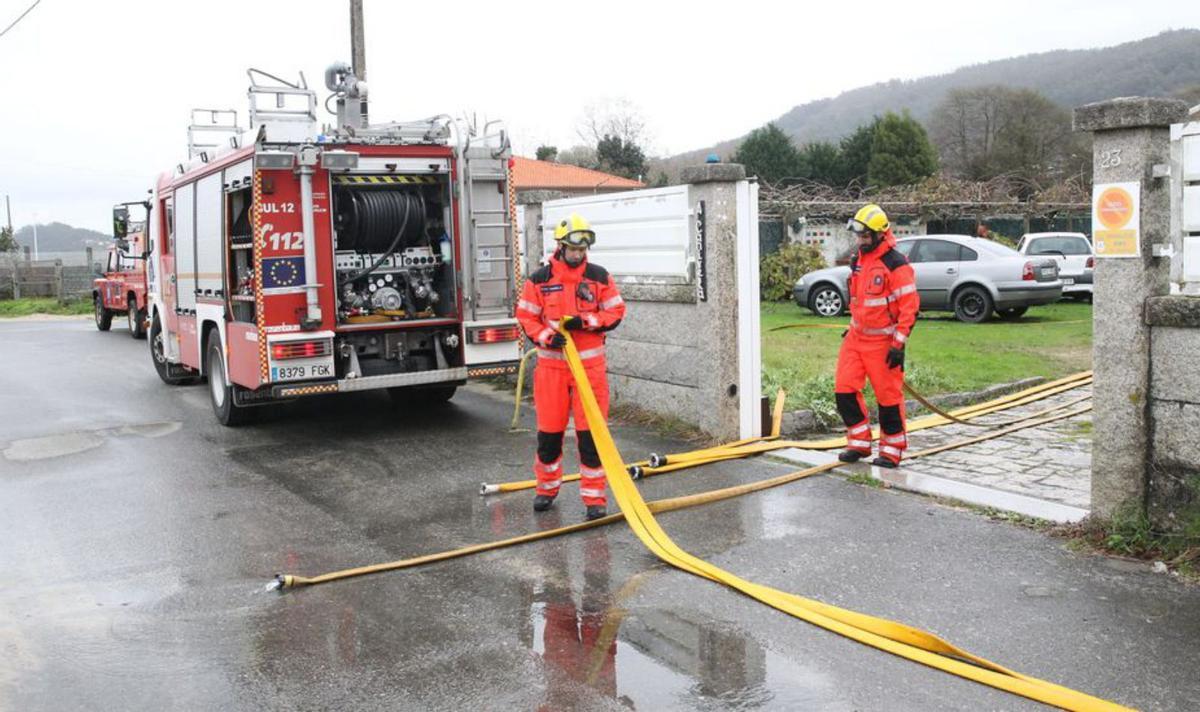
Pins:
<point x="572" y="323"/>
<point x="557" y="341"/>
<point x="895" y="358"/>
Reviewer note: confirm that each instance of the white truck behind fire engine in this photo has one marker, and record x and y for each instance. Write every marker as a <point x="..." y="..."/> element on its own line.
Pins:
<point x="289" y="260"/>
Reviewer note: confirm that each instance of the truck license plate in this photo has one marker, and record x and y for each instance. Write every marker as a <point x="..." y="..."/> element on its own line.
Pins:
<point x="301" y="372"/>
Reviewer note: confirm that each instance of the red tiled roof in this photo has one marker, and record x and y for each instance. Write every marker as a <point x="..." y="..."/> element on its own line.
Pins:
<point x="529" y="174"/>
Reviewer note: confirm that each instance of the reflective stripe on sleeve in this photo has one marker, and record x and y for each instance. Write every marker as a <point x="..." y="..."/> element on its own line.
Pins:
<point x="612" y="302"/>
<point x="529" y="307"/>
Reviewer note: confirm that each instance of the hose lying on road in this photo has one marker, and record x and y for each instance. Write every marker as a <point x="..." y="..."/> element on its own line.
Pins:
<point x="659" y="464"/>
<point x="895" y="638"/>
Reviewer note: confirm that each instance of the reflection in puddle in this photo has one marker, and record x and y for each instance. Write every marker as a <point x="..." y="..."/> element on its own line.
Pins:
<point x="654" y="658"/>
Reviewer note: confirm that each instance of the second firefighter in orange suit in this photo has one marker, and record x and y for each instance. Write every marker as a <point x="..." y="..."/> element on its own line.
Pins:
<point x="883" y="309"/>
<point x="579" y="296"/>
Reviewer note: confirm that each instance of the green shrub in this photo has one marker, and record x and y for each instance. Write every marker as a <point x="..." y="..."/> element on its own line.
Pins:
<point x="778" y="271"/>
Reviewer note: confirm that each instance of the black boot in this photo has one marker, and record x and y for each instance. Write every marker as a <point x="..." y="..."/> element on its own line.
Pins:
<point x="884" y="462"/>
<point x="542" y="502"/>
<point x="596" y="511"/>
<point x="850" y="455"/>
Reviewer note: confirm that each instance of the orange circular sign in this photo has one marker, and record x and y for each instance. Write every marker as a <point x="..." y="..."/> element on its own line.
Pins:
<point x="1114" y="207"/>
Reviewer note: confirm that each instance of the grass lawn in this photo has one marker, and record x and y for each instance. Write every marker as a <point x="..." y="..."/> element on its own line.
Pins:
<point x="42" y="305"/>
<point x="943" y="355"/>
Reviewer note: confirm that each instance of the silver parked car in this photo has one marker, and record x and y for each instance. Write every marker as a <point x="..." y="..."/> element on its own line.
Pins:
<point x="969" y="276"/>
<point x="1074" y="254"/>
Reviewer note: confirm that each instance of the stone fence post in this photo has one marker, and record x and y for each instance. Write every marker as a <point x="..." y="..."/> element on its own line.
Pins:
<point x="1130" y="137"/>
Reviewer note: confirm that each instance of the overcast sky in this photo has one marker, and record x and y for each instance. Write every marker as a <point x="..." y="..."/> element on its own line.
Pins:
<point x="97" y="95"/>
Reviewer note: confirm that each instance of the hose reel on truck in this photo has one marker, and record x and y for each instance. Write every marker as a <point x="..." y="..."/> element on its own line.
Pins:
<point x="394" y="264"/>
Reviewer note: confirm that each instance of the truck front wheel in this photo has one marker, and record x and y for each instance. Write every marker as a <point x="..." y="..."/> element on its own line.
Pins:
<point x="158" y="354"/>
<point x="220" y="388"/>
<point x="103" y="316"/>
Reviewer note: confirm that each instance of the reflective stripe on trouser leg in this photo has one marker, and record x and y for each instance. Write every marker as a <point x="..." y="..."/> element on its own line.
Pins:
<point x="592" y="485"/>
<point x="549" y="476"/>
<point x="893" y="440"/>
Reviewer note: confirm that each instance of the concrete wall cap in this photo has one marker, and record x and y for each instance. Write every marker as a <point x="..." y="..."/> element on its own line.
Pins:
<point x="714" y="173"/>
<point x="1129" y="112"/>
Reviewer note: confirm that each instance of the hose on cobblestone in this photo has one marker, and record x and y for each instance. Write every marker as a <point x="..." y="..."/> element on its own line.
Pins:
<point x="659" y="464"/>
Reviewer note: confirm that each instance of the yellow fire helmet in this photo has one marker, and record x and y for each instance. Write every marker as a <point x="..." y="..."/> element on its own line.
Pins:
<point x="869" y="217"/>
<point x="575" y="231"/>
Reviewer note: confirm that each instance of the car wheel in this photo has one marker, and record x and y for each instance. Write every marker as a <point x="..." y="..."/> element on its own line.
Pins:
<point x="972" y="304"/>
<point x="1012" y="313"/>
<point x="137" y="319"/>
<point x="827" y="301"/>
<point x="158" y="355"/>
<point x="220" y="388"/>
<point x="103" y="316"/>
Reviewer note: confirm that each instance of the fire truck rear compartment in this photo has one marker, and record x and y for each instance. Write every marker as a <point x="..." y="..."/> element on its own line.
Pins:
<point x="394" y="260"/>
<point x="394" y="266"/>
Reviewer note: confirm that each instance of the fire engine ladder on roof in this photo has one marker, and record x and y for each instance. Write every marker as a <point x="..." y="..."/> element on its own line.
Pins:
<point x="220" y="123"/>
<point x="486" y="188"/>
<point x="275" y="103"/>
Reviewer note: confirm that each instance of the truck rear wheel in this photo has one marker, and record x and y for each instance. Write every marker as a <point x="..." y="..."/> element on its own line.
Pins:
<point x="220" y="388"/>
<point x="103" y="316"/>
<point x="137" y="319"/>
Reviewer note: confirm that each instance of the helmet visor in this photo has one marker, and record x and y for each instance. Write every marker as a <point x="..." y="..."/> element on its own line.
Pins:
<point x="857" y="227"/>
<point x="579" y="238"/>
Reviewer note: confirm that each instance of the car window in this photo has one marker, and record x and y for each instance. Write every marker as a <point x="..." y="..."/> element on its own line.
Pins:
<point x="968" y="255"/>
<point x="1059" y="245"/>
<point x="905" y="247"/>
<point x="936" y="251"/>
<point x="994" y="249"/>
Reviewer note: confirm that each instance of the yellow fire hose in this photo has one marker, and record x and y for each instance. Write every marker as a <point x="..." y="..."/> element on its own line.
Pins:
<point x="847" y="623"/>
<point x="659" y="464"/>
<point x="885" y="635"/>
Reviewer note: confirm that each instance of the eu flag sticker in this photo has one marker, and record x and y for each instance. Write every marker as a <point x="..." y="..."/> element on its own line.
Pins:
<point x="282" y="272"/>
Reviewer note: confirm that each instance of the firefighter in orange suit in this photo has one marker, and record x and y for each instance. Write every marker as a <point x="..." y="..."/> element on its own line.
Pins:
<point x="883" y="309"/>
<point x="579" y="296"/>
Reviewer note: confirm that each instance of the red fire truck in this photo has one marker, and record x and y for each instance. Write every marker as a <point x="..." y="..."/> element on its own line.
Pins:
<point x="122" y="289"/>
<point x="288" y="261"/>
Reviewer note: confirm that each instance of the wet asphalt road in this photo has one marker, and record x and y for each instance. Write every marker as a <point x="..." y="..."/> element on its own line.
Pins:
<point x="136" y="535"/>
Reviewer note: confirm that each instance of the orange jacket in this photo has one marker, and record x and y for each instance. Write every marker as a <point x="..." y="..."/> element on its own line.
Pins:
<point x="558" y="290"/>
<point x="883" y="294"/>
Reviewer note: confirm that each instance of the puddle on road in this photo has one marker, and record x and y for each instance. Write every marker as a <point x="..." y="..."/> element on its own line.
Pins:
<point x="73" y="443"/>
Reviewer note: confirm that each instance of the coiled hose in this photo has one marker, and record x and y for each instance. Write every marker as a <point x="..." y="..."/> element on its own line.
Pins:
<point x="374" y="217"/>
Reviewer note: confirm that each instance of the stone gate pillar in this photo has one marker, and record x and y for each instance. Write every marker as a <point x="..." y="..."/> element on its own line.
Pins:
<point x="1130" y="137"/>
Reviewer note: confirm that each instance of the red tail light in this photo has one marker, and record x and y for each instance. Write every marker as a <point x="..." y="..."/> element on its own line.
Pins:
<point x="1091" y="262"/>
<point x="1027" y="273"/>
<point x="493" y="334"/>
<point x="300" y="349"/>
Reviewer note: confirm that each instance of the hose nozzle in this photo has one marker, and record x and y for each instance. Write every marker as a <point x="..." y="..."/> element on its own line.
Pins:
<point x="486" y="489"/>
<point x="635" y="471"/>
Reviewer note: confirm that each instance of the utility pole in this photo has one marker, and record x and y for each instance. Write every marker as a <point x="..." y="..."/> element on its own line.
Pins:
<point x="8" y="206"/>
<point x="358" y="47"/>
<point x="358" y="50"/>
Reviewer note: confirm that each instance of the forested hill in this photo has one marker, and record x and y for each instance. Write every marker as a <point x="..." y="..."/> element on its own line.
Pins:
<point x="1156" y="66"/>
